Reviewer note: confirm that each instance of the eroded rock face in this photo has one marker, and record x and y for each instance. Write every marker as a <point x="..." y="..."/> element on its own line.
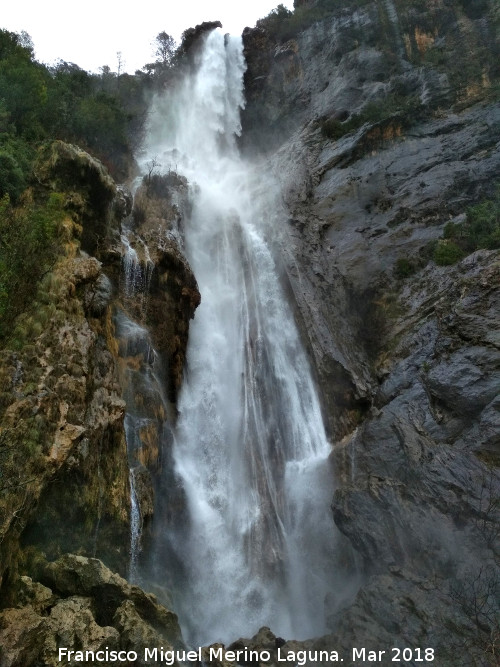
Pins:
<point x="157" y="298"/>
<point x="89" y="188"/>
<point x="408" y="367"/>
<point x="354" y="215"/>
<point x="421" y="473"/>
<point x="65" y="483"/>
<point x="167" y="300"/>
<point x="363" y="52"/>
<point x="87" y="607"/>
<point x="64" y="466"/>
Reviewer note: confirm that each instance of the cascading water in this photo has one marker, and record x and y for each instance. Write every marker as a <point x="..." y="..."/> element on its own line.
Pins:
<point x="250" y="449"/>
<point x="140" y="378"/>
<point x="135" y="526"/>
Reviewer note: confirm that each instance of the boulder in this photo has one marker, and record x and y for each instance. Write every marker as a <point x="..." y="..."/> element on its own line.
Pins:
<point x="87" y="608"/>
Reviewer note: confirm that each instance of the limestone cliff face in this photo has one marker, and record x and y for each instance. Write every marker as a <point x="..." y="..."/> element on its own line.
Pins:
<point x="64" y="487"/>
<point x="160" y="206"/>
<point x="159" y="294"/>
<point x="65" y="481"/>
<point x="385" y="129"/>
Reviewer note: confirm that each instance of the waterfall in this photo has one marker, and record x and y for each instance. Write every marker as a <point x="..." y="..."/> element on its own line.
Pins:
<point x="146" y="416"/>
<point x="135" y="525"/>
<point x="254" y="545"/>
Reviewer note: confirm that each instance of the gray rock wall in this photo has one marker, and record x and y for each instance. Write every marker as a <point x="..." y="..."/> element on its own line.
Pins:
<point x="380" y="134"/>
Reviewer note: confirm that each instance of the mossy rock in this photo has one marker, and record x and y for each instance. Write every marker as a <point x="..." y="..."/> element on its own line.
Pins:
<point x="68" y="168"/>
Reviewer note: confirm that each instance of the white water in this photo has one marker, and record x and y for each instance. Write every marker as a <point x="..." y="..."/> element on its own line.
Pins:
<point x="134" y="339"/>
<point x="135" y="527"/>
<point x="143" y="392"/>
<point x="136" y="274"/>
<point x="250" y="448"/>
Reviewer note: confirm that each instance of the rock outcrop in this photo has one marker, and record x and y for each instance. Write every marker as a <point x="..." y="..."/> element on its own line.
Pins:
<point x="65" y="474"/>
<point x="90" y="191"/>
<point x="383" y="135"/>
<point x="82" y="606"/>
<point x="65" y="484"/>
<point x="157" y="299"/>
<point x="169" y="297"/>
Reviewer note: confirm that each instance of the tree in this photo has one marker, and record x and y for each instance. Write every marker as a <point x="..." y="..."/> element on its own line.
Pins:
<point x="164" y="48"/>
<point x="120" y="63"/>
<point x="26" y="42"/>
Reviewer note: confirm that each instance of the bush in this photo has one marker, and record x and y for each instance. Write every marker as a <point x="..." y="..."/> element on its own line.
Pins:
<point x="332" y="128"/>
<point x="405" y="267"/>
<point x="481" y="228"/>
<point x="407" y="108"/>
<point x="275" y="21"/>
<point x="447" y="252"/>
<point x="28" y="249"/>
<point x="12" y="180"/>
<point x="16" y="157"/>
<point x="483" y="224"/>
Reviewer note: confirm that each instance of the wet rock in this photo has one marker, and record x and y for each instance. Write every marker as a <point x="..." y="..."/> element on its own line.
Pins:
<point x="20" y="632"/>
<point x="122" y="204"/>
<point x="408" y="368"/>
<point x="192" y="36"/>
<point x="144" y="490"/>
<point x="89" y="187"/>
<point x="420" y="485"/>
<point x="97" y="296"/>
<point x="89" y="577"/>
<point x="167" y="295"/>
<point x="88" y="608"/>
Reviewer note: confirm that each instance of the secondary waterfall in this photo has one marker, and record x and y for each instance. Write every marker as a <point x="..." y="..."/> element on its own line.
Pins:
<point x="255" y="544"/>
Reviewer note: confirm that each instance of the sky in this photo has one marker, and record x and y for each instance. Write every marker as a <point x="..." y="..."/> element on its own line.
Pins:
<point x="89" y="33"/>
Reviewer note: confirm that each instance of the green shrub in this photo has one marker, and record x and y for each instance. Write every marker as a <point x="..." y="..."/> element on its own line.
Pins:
<point x="405" y="267"/>
<point x="16" y="157"/>
<point x="332" y="128"/>
<point x="481" y="228"/>
<point x="12" y="180"/>
<point x="408" y="109"/>
<point x="28" y="249"/>
<point x="447" y="252"/>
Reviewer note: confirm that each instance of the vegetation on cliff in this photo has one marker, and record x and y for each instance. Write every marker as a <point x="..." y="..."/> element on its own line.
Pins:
<point x="410" y="34"/>
<point x="63" y="102"/>
<point x="379" y="179"/>
<point x="28" y="250"/>
<point x="283" y="24"/>
<point x="103" y="114"/>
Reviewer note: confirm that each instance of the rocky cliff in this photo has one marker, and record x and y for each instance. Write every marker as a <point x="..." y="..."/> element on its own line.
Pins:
<point x="381" y="122"/>
<point x="64" y="487"/>
<point x="385" y="126"/>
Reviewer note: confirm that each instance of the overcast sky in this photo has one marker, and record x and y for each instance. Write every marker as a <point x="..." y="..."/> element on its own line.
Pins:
<point x="90" y="32"/>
